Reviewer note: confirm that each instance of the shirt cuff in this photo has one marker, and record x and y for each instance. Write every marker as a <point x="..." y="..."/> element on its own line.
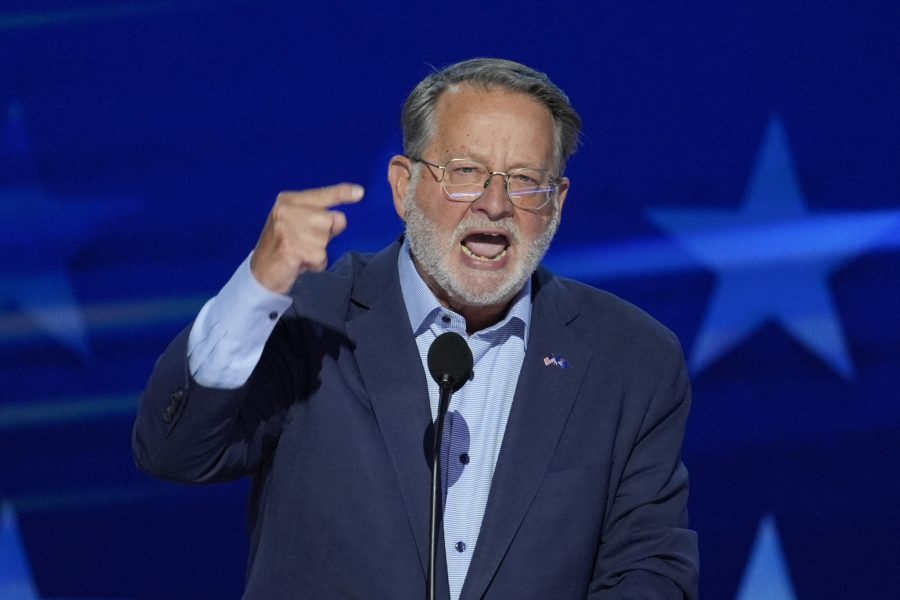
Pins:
<point x="230" y="332"/>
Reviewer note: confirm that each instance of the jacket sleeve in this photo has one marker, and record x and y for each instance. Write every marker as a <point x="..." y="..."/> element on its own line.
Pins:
<point x="187" y="432"/>
<point x="647" y="550"/>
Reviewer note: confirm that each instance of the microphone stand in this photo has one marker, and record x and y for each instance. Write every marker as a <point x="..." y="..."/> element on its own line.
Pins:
<point x="450" y="365"/>
<point x="445" y="386"/>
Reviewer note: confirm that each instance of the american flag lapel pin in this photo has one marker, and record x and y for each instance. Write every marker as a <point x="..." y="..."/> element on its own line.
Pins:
<point x="556" y="359"/>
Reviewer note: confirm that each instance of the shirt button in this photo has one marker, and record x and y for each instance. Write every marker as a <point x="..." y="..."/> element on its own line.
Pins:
<point x="273" y="315"/>
<point x="446" y="319"/>
<point x="464" y="458"/>
<point x="460" y="546"/>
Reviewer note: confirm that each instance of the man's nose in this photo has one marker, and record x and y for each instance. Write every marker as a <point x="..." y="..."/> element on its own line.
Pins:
<point x="494" y="202"/>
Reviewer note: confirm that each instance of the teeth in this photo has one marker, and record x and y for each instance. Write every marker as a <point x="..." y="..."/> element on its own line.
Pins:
<point x="483" y="258"/>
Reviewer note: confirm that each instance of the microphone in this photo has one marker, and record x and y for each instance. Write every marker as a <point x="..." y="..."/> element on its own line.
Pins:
<point x="450" y="364"/>
<point x="450" y="361"/>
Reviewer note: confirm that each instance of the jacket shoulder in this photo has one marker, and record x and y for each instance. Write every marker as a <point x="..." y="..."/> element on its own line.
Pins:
<point x="324" y="289"/>
<point x="612" y="321"/>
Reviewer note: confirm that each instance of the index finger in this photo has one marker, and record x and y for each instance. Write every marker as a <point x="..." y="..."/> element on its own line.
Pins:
<point x="326" y="197"/>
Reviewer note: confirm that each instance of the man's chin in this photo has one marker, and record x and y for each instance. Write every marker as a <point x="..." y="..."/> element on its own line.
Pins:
<point x="484" y="288"/>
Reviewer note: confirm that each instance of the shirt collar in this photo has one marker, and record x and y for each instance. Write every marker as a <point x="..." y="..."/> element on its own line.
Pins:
<point x="422" y="305"/>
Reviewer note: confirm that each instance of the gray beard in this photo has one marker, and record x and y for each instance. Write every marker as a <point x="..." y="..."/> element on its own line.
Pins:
<point x="480" y="288"/>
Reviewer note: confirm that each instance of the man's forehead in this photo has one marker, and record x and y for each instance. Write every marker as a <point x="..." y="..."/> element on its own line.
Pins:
<point x="467" y="115"/>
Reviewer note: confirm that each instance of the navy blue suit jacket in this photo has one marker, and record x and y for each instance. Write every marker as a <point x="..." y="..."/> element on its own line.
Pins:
<point x="588" y="498"/>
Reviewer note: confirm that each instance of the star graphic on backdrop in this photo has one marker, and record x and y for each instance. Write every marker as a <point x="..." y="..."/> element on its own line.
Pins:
<point x="766" y="576"/>
<point x="16" y="582"/>
<point x="39" y="234"/>
<point x="773" y="259"/>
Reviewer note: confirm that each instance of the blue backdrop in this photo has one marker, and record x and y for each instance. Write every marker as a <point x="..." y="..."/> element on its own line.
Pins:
<point x="739" y="179"/>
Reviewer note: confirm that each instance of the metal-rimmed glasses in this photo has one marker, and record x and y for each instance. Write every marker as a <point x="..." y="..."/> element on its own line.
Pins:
<point x="465" y="179"/>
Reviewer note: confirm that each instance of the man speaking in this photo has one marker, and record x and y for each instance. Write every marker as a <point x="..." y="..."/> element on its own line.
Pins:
<point x="561" y="475"/>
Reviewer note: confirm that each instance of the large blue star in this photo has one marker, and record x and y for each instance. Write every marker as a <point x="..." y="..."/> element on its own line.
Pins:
<point x="773" y="259"/>
<point x="39" y="233"/>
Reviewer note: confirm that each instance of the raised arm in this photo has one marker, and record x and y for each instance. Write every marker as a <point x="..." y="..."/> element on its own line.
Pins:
<point x="214" y="404"/>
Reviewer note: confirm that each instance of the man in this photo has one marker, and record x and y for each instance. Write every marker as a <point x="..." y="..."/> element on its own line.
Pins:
<point x="564" y="477"/>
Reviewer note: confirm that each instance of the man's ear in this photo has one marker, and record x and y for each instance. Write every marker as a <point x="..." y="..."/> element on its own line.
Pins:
<point x="563" y="191"/>
<point x="399" y="174"/>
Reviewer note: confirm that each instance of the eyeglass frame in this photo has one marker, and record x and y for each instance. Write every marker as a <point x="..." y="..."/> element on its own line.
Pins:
<point x="551" y="191"/>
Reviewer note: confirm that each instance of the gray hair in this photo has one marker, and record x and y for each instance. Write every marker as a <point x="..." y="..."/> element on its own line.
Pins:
<point x="418" y="117"/>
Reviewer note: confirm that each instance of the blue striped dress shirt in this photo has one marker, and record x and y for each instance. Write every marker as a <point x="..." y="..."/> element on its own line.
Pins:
<point x="477" y="415"/>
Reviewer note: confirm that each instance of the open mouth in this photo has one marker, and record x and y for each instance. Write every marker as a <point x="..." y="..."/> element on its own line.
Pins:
<point x="485" y="247"/>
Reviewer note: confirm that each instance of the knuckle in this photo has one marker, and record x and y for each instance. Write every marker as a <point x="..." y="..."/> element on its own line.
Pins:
<point x="320" y="220"/>
<point x="316" y="261"/>
<point x="338" y="223"/>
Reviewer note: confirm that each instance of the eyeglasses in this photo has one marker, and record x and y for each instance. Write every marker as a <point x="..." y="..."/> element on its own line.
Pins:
<point x="465" y="179"/>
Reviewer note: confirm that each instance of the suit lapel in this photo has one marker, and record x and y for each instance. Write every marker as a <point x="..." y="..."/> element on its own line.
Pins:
<point x="544" y="397"/>
<point x="389" y="364"/>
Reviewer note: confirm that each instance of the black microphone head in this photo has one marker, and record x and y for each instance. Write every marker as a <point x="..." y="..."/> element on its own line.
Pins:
<point x="450" y="361"/>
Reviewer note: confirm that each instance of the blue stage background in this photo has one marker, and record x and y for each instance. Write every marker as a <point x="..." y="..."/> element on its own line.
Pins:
<point x="739" y="179"/>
